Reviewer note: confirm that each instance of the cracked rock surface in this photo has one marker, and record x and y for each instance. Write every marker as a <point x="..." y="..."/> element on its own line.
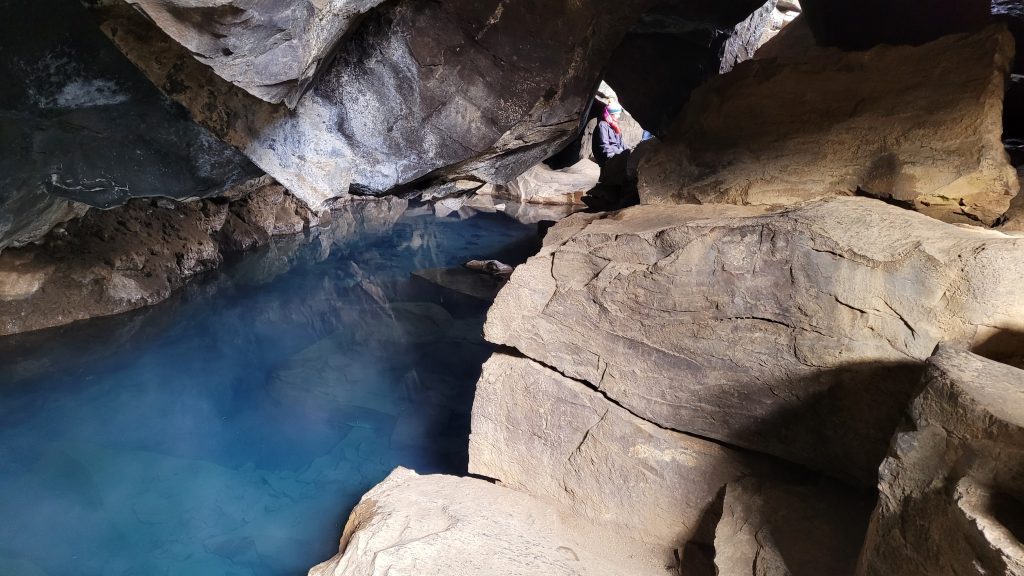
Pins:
<point x="952" y="488"/>
<point x="419" y="525"/>
<point x="919" y="126"/>
<point x="800" y="333"/>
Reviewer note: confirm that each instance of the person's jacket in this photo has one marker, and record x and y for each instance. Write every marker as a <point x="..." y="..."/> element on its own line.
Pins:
<point x="607" y="142"/>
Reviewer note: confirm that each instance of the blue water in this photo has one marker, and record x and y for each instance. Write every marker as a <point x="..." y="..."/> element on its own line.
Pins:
<point x="230" y="430"/>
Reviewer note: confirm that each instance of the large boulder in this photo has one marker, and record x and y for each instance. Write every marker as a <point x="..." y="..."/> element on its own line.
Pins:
<point x="270" y="49"/>
<point x="919" y="126"/>
<point x="410" y="525"/>
<point x="417" y="90"/>
<point x="861" y="24"/>
<point x="952" y="488"/>
<point x="800" y="333"/>
<point x="80" y="126"/>
<point x="550" y="436"/>
<point x="544" y="185"/>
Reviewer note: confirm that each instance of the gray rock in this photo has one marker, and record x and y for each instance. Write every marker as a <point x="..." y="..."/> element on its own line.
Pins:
<point x="410" y="525"/>
<point x="799" y="333"/>
<point x="418" y="89"/>
<point x="271" y="49"/>
<point x="895" y="123"/>
<point x="80" y="126"/>
<point x="951" y="489"/>
<point x="541" y="433"/>
<point x="543" y="185"/>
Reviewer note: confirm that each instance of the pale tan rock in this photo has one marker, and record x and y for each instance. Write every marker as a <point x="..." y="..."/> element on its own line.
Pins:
<point x="790" y="529"/>
<point x="951" y="490"/>
<point x="800" y="333"/>
<point x="410" y="525"/>
<point x="542" y="433"/>
<point x="918" y="125"/>
<point x="542" y="185"/>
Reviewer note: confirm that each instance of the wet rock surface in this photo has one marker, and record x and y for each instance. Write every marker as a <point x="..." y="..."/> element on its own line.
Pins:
<point x="413" y="525"/>
<point x="800" y="333"/>
<point x="544" y="185"/>
<point x="80" y="126"/>
<point x="917" y="126"/>
<point x="117" y="260"/>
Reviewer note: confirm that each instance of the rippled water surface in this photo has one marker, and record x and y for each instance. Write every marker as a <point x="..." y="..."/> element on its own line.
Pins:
<point x="229" y="430"/>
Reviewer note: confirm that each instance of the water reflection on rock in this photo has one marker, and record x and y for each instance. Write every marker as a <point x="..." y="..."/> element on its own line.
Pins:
<point x="231" y="428"/>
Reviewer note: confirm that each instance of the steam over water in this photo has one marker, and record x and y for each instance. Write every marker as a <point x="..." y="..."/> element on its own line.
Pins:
<point x="230" y="430"/>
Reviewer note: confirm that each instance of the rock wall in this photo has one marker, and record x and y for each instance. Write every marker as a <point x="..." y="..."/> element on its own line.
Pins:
<point x="80" y="126"/>
<point x="918" y="126"/>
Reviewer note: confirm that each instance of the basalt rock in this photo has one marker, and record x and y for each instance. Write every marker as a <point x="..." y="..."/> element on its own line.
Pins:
<point x="800" y="333"/>
<point x="80" y="126"/>
<point x="410" y="525"/>
<point x="271" y="49"/>
<point x="861" y="24"/>
<point x="919" y="126"/>
<point x="543" y="185"/>
<point x="447" y="90"/>
<point x="952" y="488"/>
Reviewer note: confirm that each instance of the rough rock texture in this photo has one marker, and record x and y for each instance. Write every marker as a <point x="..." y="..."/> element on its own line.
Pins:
<point x="543" y="185"/>
<point x="272" y="49"/>
<point x="441" y="89"/>
<point x="916" y="125"/>
<point x="799" y="333"/>
<point x="861" y="24"/>
<point x="79" y="125"/>
<point x="787" y="529"/>
<point x="952" y="488"/>
<point x="112" y="261"/>
<point x="410" y="525"/>
<point x="674" y="48"/>
<point x="550" y="436"/>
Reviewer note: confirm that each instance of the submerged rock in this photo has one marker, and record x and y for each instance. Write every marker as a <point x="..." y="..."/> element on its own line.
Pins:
<point x="112" y="261"/>
<point x="410" y="525"/>
<point x="952" y="488"/>
<point x="919" y="126"/>
<point x="800" y="333"/>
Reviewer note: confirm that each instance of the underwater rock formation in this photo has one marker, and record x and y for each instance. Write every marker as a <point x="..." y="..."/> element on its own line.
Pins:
<point x="799" y="333"/>
<point x="952" y="489"/>
<point x="919" y="126"/>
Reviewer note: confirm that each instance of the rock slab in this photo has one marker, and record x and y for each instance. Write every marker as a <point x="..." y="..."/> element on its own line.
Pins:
<point x="800" y="333"/>
<point x="919" y="126"/>
<point x="410" y="525"/>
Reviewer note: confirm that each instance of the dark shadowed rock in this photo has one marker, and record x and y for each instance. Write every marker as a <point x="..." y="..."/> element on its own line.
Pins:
<point x="79" y="124"/>
<point x="861" y="24"/>
<point x="952" y="489"/>
<point x="919" y="126"/>
<point x="800" y="333"/>
<point x="774" y="528"/>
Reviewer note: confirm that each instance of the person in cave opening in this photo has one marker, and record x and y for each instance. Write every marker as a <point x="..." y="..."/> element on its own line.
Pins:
<point x="608" y="136"/>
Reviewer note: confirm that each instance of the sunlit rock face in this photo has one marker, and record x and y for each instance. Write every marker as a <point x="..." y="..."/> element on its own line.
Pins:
<point x="919" y="126"/>
<point x="479" y="90"/>
<point x="270" y="48"/>
<point x="952" y="488"/>
<point x="79" y="124"/>
<point x="800" y="333"/>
